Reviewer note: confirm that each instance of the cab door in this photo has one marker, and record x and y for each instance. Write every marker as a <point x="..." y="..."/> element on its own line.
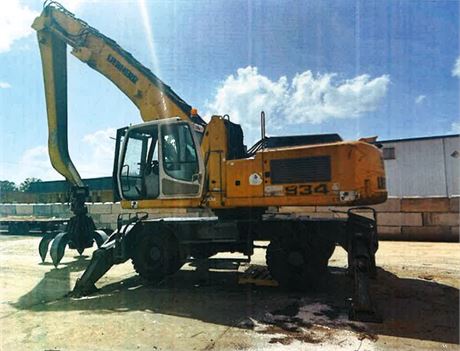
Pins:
<point x="182" y="168"/>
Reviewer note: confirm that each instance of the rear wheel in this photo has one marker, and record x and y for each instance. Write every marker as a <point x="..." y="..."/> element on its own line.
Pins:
<point x="298" y="263"/>
<point x="156" y="256"/>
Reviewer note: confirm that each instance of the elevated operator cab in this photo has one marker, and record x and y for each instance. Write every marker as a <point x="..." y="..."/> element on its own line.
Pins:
<point x="158" y="160"/>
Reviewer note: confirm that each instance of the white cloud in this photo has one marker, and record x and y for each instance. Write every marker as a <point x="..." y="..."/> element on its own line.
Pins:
<point x="455" y="127"/>
<point x="419" y="99"/>
<point x="33" y="162"/>
<point x="15" y="22"/>
<point x="315" y="99"/>
<point x="308" y="98"/>
<point x="5" y="85"/>
<point x="96" y="158"/>
<point x="93" y="157"/>
<point x="456" y="68"/>
<point x="243" y="96"/>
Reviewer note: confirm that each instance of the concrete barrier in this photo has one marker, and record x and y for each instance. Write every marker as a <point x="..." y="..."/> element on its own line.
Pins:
<point x="407" y="218"/>
<point x="412" y="219"/>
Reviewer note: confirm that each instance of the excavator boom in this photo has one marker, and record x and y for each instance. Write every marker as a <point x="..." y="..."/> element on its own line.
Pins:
<point x="56" y="28"/>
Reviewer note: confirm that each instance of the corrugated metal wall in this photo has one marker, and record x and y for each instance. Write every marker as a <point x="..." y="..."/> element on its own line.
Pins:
<point x="424" y="167"/>
<point x="452" y="161"/>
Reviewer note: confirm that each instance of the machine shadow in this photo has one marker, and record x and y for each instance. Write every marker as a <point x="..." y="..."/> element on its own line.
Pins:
<point x="417" y="308"/>
<point x="411" y="308"/>
<point x="54" y="285"/>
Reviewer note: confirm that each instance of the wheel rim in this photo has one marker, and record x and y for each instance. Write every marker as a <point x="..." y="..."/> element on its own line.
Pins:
<point x="153" y="257"/>
<point x="155" y="253"/>
<point x="295" y="265"/>
<point x="295" y="258"/>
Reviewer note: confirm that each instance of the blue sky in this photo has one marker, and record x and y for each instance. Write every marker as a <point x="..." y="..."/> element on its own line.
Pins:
<point x="359" y="68"/>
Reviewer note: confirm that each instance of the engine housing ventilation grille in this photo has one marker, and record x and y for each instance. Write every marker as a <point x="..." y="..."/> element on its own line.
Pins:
<point x="300" y="170"/>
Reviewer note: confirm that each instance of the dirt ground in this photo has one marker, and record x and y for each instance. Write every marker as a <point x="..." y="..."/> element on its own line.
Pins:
<point x="417" y="294"/>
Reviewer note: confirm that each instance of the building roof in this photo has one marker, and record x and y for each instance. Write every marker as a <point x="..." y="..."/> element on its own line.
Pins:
<point x="100" y="183"/>
<point x="419" y="138"/>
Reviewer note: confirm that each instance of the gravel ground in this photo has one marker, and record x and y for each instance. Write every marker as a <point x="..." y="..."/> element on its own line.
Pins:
<point x="417" y="294"/>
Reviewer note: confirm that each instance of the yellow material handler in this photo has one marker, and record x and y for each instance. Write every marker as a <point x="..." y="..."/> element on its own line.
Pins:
<point x="174" y="159"/>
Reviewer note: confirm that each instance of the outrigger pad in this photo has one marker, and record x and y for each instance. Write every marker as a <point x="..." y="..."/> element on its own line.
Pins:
<point x="58" y="247"/>
<point x="44" y="244"/>
<point x="364" y="316"/>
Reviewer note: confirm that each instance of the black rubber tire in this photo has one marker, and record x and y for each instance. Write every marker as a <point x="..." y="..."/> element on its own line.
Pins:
<point x="328" y="249"/>
<point x="156" y="256"/>
<point x="299" y="263"/>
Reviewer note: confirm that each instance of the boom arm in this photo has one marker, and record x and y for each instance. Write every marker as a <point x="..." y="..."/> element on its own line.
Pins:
<point x="56" y="27"/>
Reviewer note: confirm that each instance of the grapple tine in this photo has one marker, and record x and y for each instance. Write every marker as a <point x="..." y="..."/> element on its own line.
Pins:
<point x="100" y="237"/>
<point x="44" y="243"/>
<point x="58" y="247"/>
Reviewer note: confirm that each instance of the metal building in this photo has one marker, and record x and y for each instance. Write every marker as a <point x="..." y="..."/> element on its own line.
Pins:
<point x="428" y="166"/>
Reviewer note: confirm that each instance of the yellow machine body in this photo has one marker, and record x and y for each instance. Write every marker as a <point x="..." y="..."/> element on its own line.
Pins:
<point x="356" y="176"/>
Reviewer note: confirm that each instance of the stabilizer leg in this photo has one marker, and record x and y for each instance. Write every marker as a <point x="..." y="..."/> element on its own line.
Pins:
<point x="112" y="250"/>
<point x="362" y="307"/>
<point x="362" y="245"/>
<point x="101" y="262"/>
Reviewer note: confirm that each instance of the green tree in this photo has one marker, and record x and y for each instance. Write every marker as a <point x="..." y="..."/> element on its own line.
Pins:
<point x="6" y="185"/>
<point x="25" y="185"/>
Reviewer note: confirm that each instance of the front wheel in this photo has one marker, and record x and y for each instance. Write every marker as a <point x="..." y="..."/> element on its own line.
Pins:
<point x="156" y="255"/>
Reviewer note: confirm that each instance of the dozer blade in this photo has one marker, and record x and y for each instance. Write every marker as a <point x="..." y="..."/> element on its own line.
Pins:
<point x="44" y="244"/>
<point x="100" y="237"/>
<point x="58" y="247"/>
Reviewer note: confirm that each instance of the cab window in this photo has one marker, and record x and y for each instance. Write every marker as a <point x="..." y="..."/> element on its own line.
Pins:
<point x="180" y="159"/>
